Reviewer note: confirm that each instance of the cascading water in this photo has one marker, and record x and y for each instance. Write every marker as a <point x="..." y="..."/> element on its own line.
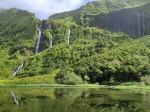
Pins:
<point x="139" y="24"/>
<point x="19" y="68"/>
<point x="143" y="24"/>
<point x="68" y="39"/>
<point x="15" y="98"/>
<point x="38" y="39"/>
<point x="37" y="48"/>
<point x="129" y="26"/>
<point x="50" y="41"/>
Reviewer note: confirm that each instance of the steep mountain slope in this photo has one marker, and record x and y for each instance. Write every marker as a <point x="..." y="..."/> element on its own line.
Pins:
<point x="95" y="53"/>
<point x="133" y="21"/>
<point x="83" y="43"/>
<point x="100" y="6"/>
<point x="18" y="30"/>
<point x="107" y="14"/>
<point x="100" y="59"/>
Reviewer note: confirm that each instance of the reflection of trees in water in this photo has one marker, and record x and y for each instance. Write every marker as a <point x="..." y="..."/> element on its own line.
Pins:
<point x="113" y="101"/>
<point x="78" y="100"/>
<point x="95" y="100"/>
<point x="68" y="92"/>
<point x="66" y="98"/>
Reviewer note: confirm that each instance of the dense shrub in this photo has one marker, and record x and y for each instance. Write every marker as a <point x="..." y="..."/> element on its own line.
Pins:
<point x="66" y="77"/>
<point x="146" y="80"/>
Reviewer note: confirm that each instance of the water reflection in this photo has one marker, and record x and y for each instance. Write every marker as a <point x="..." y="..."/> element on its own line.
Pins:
<point x="15" y="98"/>
<point x="74" y="99"/>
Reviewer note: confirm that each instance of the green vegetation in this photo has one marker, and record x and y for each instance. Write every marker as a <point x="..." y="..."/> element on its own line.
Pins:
<point x="46" y="79"/>
<point x="66" y="77"/>
<point x="113" y="15"/>
<point x="94" y="55"/>
<point x="118" y="63"/>
<point x="74" y="99"/>
<point x="17" y="38"/>
<point x="99" y="6"/>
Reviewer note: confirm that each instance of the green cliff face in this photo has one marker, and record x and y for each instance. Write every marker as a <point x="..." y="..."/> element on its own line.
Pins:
<point x="17" y="38"/>
<point x="134" y="21"/>
<point x="119" y="16"/>
<point x="100" y="6"/>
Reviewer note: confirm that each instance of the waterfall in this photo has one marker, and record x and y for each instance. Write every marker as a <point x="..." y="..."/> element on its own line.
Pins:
<point x="15" y="98"/>
<point x="38" y="39"/>
<point x="19" y="68"/>
<point x="50" y="42"/>
<point x="143" y="24"/>
<point x="139" y="25"/>
<point x="37" y="48"/>
<point x="129" y="26"/>
<point x="68" y="39"/>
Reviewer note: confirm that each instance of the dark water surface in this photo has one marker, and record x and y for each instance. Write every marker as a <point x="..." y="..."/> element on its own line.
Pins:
<point x="73" y="100"/>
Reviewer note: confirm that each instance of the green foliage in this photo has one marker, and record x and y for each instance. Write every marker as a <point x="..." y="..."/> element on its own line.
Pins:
<point x="98" y="7"/>
<point x="66" y="77"/>
<point x="93" y="55"/>
<point x="44" y="79"/>
<point x="47" y="33"/>
<point x="108" y="63"/>
<point x="106" y="13"/>
<point x="146" y="79"/>
<point x="101" y="55"/>
<point x="17" y="38"/>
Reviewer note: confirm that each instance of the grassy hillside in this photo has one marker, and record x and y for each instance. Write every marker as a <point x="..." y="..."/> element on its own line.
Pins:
<point x="18" y="30"/>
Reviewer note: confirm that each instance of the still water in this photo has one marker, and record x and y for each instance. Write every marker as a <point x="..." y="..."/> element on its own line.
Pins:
<point x="73" y="100"/>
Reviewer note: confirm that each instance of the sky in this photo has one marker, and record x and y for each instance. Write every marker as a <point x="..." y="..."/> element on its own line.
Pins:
<point x="43" y="8"/>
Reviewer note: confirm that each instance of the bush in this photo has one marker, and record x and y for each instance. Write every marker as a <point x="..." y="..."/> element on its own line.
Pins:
<point x="70" y="78"/>
<point x="146" y="80"/>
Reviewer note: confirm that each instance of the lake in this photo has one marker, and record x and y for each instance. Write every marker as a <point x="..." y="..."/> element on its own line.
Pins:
<point x="47" y="99"/>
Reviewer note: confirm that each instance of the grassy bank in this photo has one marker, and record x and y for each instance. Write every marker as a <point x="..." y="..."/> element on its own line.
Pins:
<point x="5" y="84"/>
<point x="132" y="87"/>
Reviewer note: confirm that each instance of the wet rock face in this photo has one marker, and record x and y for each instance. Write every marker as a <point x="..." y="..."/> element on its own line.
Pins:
<point x="131" y="22"/>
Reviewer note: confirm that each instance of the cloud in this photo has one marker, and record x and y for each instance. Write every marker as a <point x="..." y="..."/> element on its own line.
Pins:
<point x="43" y="8"/>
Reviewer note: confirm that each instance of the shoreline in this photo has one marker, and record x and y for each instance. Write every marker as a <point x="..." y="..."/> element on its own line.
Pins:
<point x="147" y="87"/>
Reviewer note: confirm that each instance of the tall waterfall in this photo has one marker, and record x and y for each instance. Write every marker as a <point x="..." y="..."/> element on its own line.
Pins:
<point x="143" y="24"/>
<point x="38" y="40"/>
<point x="68" y="39"/>
<point x="139" y="24"/>
<point x="37" y="48"/>
<point x="15" y="98"/>
<point x="19" y="68"/>
<point x="50" y="41"/>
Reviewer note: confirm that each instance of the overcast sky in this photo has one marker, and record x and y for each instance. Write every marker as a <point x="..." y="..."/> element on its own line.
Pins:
<point x="43" y="8"/>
